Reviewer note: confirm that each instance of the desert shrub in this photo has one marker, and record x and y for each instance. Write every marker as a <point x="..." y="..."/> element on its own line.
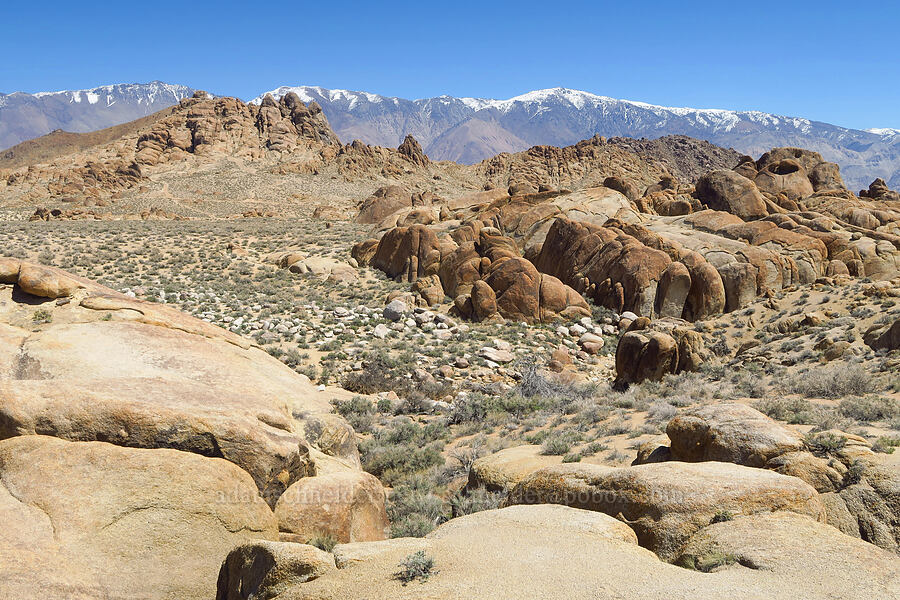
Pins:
<point x="412" y="525"/>
<point x="594" y="448"/>
<point x="721" y="516"/>
<point x="886" y="444"/>
<point x="854" y="472"/>
<point x="707" y="562"/>
<point x="823" y="444"/>
<point x="463" y="458"/>
<point x="379" y="374"/>
<point x="590" y="414"/>
<point x="358" y="411"/>
<point x="532" y="384"/>
<point x="751" y="386"/>
<point x="572" y="457"/>
<point x="413" y="507"/>
<point x="661" y="412"/>
<point x="325" y="542"/>
<point x="403" y="448"/>
<point x="42" y="315"/>
<point x="417" y="565"/>
<point x="468" y="409"/>
<point x="791" y="410"/>
<point x="835" y="381"/>
<point x="869" y="408"/>
<point x="391" y="463"/>
<point x="475" y="500"/>
<point x="558" y="443"/>
<point x="414" y="403"/>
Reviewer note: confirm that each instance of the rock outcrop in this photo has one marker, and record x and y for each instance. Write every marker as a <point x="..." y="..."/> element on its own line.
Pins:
<point x="731" y="192"/>
<point x="666" y="503"/>
<point x="734" y="433"/>
<point x="562" y="552"/>
<point x="140" y="444"/>
<point x="347" y="506"/>
<point x="857" y="488"/>
<point x="96" y="520"/>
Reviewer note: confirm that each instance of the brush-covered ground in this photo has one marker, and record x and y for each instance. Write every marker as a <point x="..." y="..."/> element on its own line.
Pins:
<point x="429" y="393"/>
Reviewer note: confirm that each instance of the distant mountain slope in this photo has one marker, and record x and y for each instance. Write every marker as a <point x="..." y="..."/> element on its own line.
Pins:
<point x="561" y="116"/>
<point x="27" y="116"/>
<point x="60" y="143"/>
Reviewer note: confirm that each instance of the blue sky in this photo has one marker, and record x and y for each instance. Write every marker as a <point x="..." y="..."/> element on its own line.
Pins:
<point x="831" y="61"/>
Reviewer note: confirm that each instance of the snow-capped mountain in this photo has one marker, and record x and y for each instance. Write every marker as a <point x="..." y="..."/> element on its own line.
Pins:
<point x="26" y="116"/>
<point x="471" y="129"/>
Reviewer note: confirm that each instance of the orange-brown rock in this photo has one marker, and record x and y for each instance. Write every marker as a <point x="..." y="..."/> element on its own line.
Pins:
<point x="345" y="505"/>
<point x="407" y="253"/>
<point x="524" y="294"/>
<point x="728" y="191"/>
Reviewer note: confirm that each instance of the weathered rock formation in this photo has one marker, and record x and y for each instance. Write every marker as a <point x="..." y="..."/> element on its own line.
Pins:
<point x="141" y="444"/>
<point x="857" y="488"/>
<point x="765" y="555"/>
<point x="666" y="503"/>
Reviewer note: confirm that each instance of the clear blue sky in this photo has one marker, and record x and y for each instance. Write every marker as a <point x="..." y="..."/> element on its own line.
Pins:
<point x="832" y="61"/>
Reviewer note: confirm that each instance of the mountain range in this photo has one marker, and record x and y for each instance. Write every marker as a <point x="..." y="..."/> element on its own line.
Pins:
<point x="471" y="129"/>
<point x="26" y="116"/>
<point x="468" y="130"/>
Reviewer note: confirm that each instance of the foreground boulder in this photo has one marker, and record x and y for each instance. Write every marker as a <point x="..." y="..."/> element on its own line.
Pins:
<point x="730" y="432"/>
<point x="347" y="506"/>
<point x="103" y="366"/>
<point x="859" y="488"/>
<point x="867" y="505"/>
<point x="139" y="502"/>
<point x="559" y="552"/>
<point x="94" y="520"/>
<point x="666" y="503"/>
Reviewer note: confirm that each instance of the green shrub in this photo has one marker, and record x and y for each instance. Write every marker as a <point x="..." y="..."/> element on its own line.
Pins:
<point x="835" y="381"/>
<point x="417" y="565"/>
<point x="823" y="444"/>
<point x="791" y="410"/>
<point x="707" y="562"/>
<point x="886" y="444"/>
<point x="325" y="542"/>
<point x="869" y="408"/>
<point x="468" y="409"/>
<point x="854" y="472"/>
<point x="721" y="516"/>
<point x="403" y="448"/>
<point x="358" y="411"/>
<point x="558" y="443"/>
<point x="476" y="500"/>
<point x="42" y="315"/>
<point x="413" y="507"/>
<point x="380" y="374"/>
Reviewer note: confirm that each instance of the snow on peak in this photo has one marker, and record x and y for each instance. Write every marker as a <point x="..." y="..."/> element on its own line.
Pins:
<point x="884" y="131"/>
<point x="310" y="93"/>
<point x="141" y="93"/>
<point x="539" y="101"/>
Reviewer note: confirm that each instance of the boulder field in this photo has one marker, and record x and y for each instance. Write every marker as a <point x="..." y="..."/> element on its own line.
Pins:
<point x="659" y="250"/>
<point x="138" y="445"/>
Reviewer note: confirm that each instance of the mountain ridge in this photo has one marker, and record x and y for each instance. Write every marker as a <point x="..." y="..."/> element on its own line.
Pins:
<point x="562" y="116"/>
<point x="25" y="116"/>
